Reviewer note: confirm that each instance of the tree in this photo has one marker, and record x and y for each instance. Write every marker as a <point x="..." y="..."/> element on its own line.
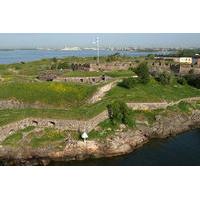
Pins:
<point x="193" y="80"/>
<point x="164" y="78"/>
<point x="119" y="112"/>
<point x="54" y="59"/>
<point x="143" y="72"/>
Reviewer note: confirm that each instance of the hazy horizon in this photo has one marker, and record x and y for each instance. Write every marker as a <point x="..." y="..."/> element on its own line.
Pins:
<point x="137" y="40"/>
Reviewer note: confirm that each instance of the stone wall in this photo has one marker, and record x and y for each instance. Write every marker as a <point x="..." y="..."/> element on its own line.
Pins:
<point x="81" y="125"/>
<point x="147" y="106"/>
<point x="111" y="66"/>
<point x="15" y="104"/>
<point x="91" y="80"/>
<point x="61" y="124"/>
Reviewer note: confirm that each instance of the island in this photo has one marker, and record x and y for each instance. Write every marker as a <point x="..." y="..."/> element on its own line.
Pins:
<point x="75" y="108"/>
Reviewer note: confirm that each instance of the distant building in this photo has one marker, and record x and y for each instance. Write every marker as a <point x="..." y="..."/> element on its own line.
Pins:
<point x="186" y="60"/>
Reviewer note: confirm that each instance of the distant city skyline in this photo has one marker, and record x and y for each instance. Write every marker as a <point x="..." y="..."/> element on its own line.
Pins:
<point x="115" y="40"/>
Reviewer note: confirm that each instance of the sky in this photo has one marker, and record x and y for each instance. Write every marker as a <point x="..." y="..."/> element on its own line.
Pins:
<point x="59" y="40"/>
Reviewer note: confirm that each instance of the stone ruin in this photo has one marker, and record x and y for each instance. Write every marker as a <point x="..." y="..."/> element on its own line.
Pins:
<point x="80" y="67"/>
<point x="111" y="66"/>
<point x="90" y="80"/>
<point x="47" y="76"/>
<point x="184" y="69"/>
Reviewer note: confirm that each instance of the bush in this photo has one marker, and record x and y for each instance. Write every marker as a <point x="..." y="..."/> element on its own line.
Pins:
<point x="143" y="72"/>
<point x="191" y="71"/>
<point x="113" y="57"/>
<point x="181" y="80"/>
<point x="119" y="113"/>
<point x="164" y="78"/>
<point x="193" y="80"/>
<point x="127" y="83"/>
<point x="54" y="59"/>
<point x="64" y="65"/>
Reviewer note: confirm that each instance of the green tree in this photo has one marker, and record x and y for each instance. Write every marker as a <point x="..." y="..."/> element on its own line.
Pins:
<point x="143" y="72"/>
<point x="164" y="78"/>
<point x="119" y="113"/>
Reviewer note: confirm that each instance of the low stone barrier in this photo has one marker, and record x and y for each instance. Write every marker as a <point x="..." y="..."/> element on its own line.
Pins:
<point x="147" y="106"/>
<point x="61" y="124"/>
<point x="81" y="125"/>
<point x="15" y="104"/>
<point x="91" y="80"/>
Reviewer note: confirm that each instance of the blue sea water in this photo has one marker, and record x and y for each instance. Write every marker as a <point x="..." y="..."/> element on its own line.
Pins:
<point x="180" y="150"/>
<point x="14" y="56"/>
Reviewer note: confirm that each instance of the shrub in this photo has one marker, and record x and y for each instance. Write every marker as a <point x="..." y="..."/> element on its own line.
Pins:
<point x="143" y="72"/>
<point x="191" y="71"/>
<point x="54" y="59"/>
<point x="150" y="56"/>
<point x="127" y="83"/>
<point x="181" y="80"/>
<point x="64" y="65"/>
<point x="164" y="78"/>
<point x="119" y="113"/>
<point x="113" y="57"/>
<point x="193" y="80"/>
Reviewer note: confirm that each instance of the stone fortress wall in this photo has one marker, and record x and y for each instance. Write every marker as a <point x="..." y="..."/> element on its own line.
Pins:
<point x="80" y="125"/>
<point x="90" y="80"/>
<point x="61" y="124"/>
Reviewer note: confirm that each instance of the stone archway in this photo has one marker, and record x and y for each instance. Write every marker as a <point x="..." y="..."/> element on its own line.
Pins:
<point x="35" y="123"/>
<point x="11" y="131"/>
<point x="51" y="124"/>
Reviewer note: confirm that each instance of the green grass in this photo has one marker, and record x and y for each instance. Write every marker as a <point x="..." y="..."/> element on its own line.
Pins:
<point x="14" y="138"/>
<point x="152" y="92"/>
<point x="35" y="67"/>
<point x="50" y="93"/>
<point x="82" y="73"/>
<point x="107" y="128"/>
<point x="120" y="73"/>
<point x="79" y="113"/>
<point x="114" y="74"/>
<point x="49" y="136"/>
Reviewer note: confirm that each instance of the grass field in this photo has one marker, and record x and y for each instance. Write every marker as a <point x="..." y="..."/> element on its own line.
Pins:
<point x="56" y="94"/>
<point x="153" y="92"/>
<point x="69" y="99"/>
<point x="34" y="67"/>
<point x="49" y="136"/>
<point x="13" y="139"/>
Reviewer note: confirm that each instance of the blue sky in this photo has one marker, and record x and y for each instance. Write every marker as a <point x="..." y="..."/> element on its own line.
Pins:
<point x="58" y="40"/>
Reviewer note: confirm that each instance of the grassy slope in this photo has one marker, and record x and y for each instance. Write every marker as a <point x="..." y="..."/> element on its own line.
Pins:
<point x="141" y="93"/>
<point x="51" y="93"/>
<point x="153" y="92"/>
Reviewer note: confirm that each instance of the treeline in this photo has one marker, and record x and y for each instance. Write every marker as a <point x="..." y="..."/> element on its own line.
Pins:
<point x="187" y="52"/>
<point x="164" y="78"/>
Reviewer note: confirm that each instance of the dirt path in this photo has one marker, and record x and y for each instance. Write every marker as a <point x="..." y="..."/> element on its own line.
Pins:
<point x="102" y="91"/>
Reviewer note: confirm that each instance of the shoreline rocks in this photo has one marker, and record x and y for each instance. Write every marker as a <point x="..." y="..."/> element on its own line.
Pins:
<point x="119" y="144"/>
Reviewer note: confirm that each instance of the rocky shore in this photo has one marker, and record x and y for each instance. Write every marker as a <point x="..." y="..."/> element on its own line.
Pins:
<point x="122" y="142"/>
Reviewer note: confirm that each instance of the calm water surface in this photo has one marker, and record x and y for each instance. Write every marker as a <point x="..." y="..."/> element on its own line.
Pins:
<point x="14" y="56"/>
<point x="183" y="149"/>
